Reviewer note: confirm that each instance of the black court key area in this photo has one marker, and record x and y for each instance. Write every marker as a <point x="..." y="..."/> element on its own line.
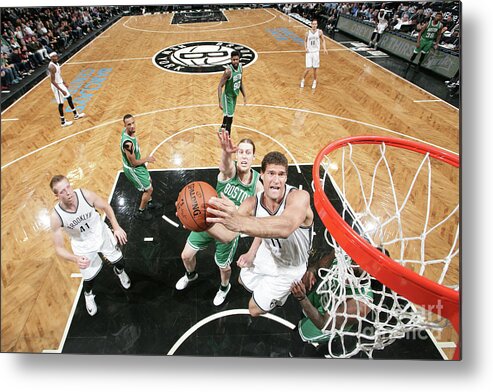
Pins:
<point x="198" y="16"/>
<point x="153" y="318"/>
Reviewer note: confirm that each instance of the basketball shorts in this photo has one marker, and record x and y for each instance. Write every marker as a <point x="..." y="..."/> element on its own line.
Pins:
<point x="380" y="28"/>
<point x="424" y="46"/>
<point x="313" y="60"/>
<point x="270" y="288"/>
<point x="109" y="248"/>
<point x="139" y="176"/>
<point x="224" y="254"/>
<point x="229" y="104"/>
<point x="59" y="97"/>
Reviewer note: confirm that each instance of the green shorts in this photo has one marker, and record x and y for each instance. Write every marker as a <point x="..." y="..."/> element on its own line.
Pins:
<point x="229" y="104"/>
<point x="224" y="252"/>
<point x="424" y="46"/>
<point x="139" y="176"/>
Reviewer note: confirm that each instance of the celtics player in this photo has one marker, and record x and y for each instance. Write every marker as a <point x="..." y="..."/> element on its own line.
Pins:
<point x="232" y="81"/>
<point x="135" y="169"/>
<point x="317" y="308"/>
<point x="237" y="181"/>
<point x="428" y="37"/>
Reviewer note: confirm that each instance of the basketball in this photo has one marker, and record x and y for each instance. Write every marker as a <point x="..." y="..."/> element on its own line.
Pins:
<point x="191" y="205"/>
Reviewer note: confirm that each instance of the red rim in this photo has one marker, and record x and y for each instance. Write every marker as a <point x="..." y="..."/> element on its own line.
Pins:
<point x="418" y="289"/>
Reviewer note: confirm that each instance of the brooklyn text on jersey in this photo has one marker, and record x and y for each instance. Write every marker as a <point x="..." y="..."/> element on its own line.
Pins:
<point x="202" y="57"/>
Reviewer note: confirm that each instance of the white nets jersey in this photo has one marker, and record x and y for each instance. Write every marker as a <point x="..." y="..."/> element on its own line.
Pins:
<point x="313" y="41"/>
<point x="58" y="72"/>
<point x="382" y="23"/>
<point x="84" y="226"/>
<point x="286" y="252"/>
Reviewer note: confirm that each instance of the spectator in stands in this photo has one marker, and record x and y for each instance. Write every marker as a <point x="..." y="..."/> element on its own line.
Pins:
<point x="452" y="40"/>
<point x="404" y="24"/>
<point x="22" y="65"/>
<point x="40" y="28"/>
<point x="28" y="32"/>
<point x="38" y="47"/>
<point x="419" y="19"/>
<point x="364" y="13"/>
<point x="8" y="71"/>
<point x="31" y="59"/>
<point x="19" y="35"/>
<point x="448" y="22"/>
<point x="331" y="23"/>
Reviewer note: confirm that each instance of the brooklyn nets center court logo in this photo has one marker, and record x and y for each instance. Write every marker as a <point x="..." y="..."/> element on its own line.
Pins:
<point x="202" y="57"/>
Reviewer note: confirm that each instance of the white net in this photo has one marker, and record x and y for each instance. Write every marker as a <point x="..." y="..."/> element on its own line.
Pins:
<point x="401" y="201"/>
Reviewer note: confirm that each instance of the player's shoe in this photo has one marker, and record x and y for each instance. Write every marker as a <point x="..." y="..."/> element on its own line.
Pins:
<point x="184" y="281"/>
<point x="124" y="279"/>
<point x="67" y="123"/>
<point x="302" y="84"/>
<point x="314" y="84"/>
<point x="221" y="296"/>
<point x="90" y="304"/>
<point x="154" y="205"/>
<point x="79" y="115"/>
<point x="144" y="215"/>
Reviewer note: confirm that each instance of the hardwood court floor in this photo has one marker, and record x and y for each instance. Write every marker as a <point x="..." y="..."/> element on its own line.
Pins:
<point x="177" y="116"/>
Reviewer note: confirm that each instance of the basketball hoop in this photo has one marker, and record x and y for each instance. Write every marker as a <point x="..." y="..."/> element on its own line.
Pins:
<point x="423" y="277"/>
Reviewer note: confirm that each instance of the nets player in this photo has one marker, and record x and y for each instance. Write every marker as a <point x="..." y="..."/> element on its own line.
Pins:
<point x="232" y="81"/>
<point x="237" y="181"/>
<point x="76" y="214"/>
<point x="382" y="25"/>
<point x="281" y="220"/>
<point x="313" y="37"/>
<point x="60" y="90"/>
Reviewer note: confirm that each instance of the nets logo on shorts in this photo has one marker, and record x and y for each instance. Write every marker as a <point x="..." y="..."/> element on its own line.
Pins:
<point x="202" y="57"/>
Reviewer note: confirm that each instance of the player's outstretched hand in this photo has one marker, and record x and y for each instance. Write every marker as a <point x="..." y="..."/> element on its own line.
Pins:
<point x="226" y="143"/>
<point x="120" y="235"/>
<point x="298" y="290"/>
<point x="224" y="211"/>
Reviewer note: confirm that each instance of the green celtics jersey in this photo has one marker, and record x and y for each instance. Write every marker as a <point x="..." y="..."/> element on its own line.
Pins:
<point x="125" y="138"/>
<point x="232" y="87"/>
<point x="431" y="31"/>
<point x="235" y="190"/>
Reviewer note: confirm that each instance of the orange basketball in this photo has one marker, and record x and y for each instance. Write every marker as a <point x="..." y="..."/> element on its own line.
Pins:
<point x="191" y="206"/>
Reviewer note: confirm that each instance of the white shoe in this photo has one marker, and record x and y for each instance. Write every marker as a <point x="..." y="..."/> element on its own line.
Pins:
<point x="302" y="84"/>
<point x="184" y="281"/>
<point x="221" y="296"/>
<point x="91" y="306"/>
<point x="124" y="279"/>
<point x="67" y="123"/>
<point x="314" y="84"/>
<point x="79" y="115"/>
